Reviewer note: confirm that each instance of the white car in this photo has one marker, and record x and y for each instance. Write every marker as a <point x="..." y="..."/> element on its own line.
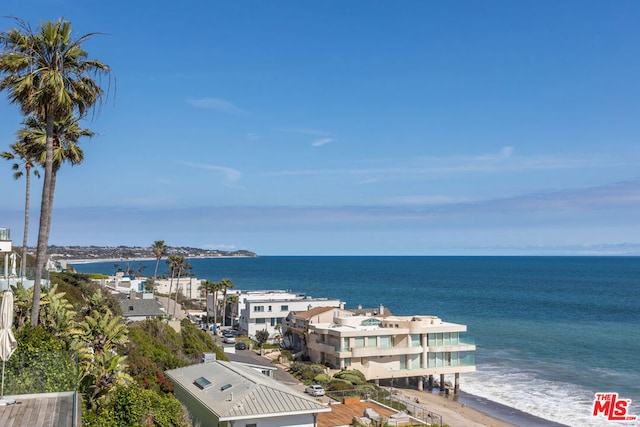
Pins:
<point x="229" y="339"/>
<point x="315" y="390"/>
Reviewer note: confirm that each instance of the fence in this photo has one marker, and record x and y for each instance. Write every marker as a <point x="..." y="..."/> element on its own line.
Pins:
<point x="390" y="399"/>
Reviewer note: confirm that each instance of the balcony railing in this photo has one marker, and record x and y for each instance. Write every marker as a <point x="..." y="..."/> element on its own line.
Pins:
<point x="5" y="234"/>
<point x="41" y="372"/>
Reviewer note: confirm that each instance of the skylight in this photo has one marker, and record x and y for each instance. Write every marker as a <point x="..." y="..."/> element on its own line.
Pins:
<point x="202" y="383"/>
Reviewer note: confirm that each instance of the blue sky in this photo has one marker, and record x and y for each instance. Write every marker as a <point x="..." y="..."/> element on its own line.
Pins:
<point x="352" y="128"/>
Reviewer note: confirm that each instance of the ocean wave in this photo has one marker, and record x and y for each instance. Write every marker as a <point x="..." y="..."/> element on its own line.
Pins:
<point x="557" y="401"/>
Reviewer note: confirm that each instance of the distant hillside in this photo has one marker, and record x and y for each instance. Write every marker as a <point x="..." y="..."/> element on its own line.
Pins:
<point x="128" y="252"/>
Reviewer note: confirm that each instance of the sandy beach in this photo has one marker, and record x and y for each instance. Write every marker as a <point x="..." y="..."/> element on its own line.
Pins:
<point x="464" y="410"/>
<point x="454" y="414"/>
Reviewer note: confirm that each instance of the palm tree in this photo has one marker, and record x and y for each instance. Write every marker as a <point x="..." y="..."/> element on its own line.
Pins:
<point x="215" y="288"/>
<point x="159" y="249"/>
<point x="207" y="286"/>
<point x="66" y="136"/>
<point x="50" y="76"/>
<point x="172" y="263"/>
<point x="19" y="151"/>
<point x="225" y="284"/>
<point x="233" y="302"/>
<point x="182" y="266"/>
<point x="177" y="265"/>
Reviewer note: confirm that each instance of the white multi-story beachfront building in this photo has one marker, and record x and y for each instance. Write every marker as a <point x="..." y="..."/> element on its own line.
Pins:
<point x="260" y="310"/>
<point x="393" y="347"/>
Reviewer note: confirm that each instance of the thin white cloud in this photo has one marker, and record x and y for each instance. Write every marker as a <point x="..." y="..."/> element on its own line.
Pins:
<point x="503" y="161"/>
<point x="419" y="200"/>
<point x="321" y="142"/>
<point x="217" y="104"/>
<point x="252" y="136"/>
<point x="231" y="175"/>
<point x="306" y="131"/>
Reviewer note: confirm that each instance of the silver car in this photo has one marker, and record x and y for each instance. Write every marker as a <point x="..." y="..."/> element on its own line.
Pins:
<point x="315" y="390"/>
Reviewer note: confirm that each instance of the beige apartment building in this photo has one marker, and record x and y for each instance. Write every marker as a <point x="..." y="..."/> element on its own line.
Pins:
<point x="393" y="347"/>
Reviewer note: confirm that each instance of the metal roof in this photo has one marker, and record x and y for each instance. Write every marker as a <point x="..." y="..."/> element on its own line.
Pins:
<point x="141" y="307"/>
<point x="239" y="392"/>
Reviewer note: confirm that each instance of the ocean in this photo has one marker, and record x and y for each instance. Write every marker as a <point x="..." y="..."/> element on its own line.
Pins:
<point x="550" y="331"/>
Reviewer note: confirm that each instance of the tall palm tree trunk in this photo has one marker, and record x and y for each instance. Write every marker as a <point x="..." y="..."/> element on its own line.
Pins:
<point x="175" y="303"/>
<point x="215" y="310"/>
<point x="45" y="222"/>
<point x="170" y="290"/>
<point x="23" y="264"/>
<point x="224" y="307"/>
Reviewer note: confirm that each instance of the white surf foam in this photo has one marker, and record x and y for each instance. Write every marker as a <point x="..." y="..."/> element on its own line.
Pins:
<point x="561" y="402"/>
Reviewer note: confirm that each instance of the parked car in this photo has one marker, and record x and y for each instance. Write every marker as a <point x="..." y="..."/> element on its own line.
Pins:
<point x="315" y="390"/>
<point x="229" y="339"/>
<point x="241" y="346"/>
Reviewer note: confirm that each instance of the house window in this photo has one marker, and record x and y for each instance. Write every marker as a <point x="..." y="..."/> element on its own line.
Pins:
<point x="385" y="342"/>
<point x="273" y="321"/>
<point x="358" y="342"/>
<point x="260" y="321"/>
<point x="415" y="361"/>
<point x="284" y="308"/>
<point x="455" y="338"/>
<point x="403" y="361"/>
<point x="372" y="341"/>
<point x="415" y="340"/>
<point x="258" y="308"/>
<point x="432" y="360"/>
<point x="432" y="340"/>
<point x="345" y="344"/>
<point x="269" y="308"/>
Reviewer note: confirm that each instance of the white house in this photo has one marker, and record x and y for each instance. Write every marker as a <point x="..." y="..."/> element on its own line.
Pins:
<point x="230" y="395"/>
<point x="260" y="310"/>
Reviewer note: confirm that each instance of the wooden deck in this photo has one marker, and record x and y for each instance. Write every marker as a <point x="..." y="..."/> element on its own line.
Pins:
<point x="342" y="415"/>
<point x="39" y="410"/>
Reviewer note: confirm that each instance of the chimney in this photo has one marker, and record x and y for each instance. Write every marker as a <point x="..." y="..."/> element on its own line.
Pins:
<point x="341" y="305"/>
<point x="381" y="310"/>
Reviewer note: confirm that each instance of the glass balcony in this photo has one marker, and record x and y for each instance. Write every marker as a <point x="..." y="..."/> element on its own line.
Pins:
<point x="5" y="234"/>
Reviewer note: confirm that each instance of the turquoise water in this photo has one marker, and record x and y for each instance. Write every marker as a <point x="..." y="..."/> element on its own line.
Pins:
<point x="550" y="331"/>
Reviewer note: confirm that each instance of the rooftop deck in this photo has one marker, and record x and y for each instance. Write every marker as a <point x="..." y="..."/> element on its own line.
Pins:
<point x="41" y="410"/>
<point x="342" y="415"/>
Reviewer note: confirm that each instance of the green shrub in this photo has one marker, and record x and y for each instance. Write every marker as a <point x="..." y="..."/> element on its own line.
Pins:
<point x="286" y="354"/>
<point x="350" y="372"/>
<point x="40" y="364"/>
<point x="133" y="406"/>
<point x="321" y="378"/>
<point x="339" y="385"/>
<point x="353" y="379"/>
